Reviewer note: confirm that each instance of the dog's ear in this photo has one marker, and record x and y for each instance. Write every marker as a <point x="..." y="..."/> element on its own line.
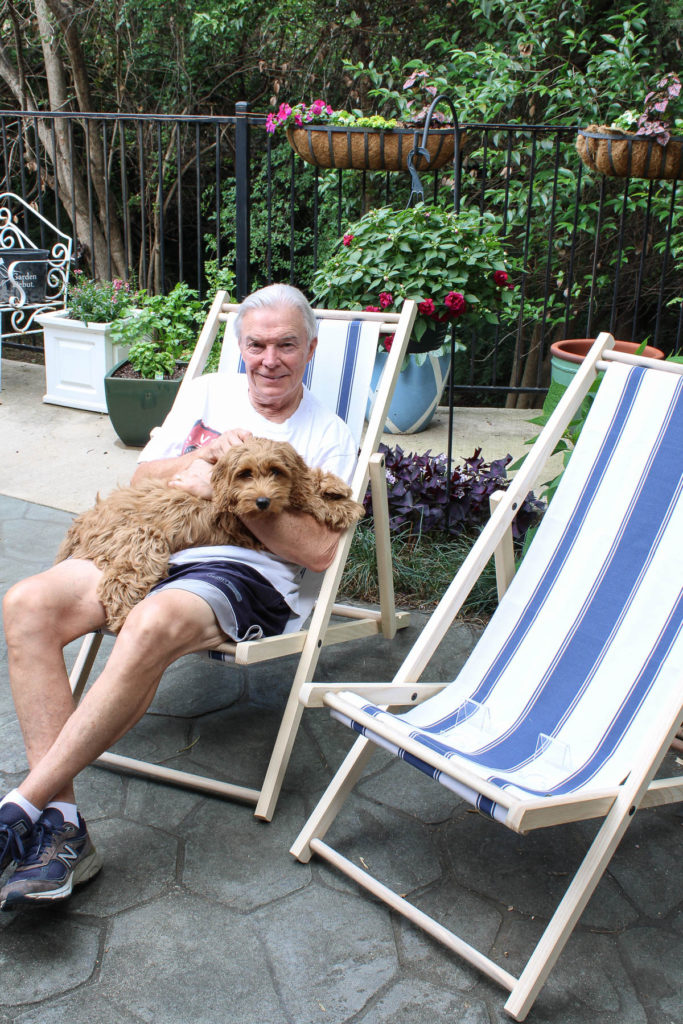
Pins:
<point x="222" y="475"/>
<point x="300" y="477"/>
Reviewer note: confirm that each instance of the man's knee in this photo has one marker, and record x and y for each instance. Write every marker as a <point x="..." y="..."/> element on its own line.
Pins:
<point x="23" y="606"/>
<point x="59" y="604"/>
<point x="169" y="624"/>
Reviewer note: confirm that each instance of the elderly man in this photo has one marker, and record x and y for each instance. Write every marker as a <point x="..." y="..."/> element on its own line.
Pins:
<point x="211" y="593"/>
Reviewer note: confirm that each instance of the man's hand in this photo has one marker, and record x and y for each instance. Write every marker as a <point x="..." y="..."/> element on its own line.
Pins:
<point x="212" y="451"/>
<point x="195" y="479"/>
<point x="181" y="471"/>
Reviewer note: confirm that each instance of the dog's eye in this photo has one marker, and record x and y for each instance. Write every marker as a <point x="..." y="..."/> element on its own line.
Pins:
<point x="244" y="474"/>
<point x="274" y="471"/>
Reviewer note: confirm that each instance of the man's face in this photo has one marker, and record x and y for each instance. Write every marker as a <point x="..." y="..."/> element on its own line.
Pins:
<point x="275" y="352"/>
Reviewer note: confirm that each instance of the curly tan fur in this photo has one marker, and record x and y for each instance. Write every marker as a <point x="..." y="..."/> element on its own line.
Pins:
<point x="131" y="534"/>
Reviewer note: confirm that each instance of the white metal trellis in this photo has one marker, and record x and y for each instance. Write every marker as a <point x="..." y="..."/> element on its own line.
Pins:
<point x="17" y="312"/>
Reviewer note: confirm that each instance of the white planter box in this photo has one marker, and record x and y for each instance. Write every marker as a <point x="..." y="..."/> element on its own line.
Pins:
<point x="77" y="356"/>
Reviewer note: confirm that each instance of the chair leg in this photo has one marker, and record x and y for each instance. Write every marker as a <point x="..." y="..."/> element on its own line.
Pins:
<point x="334" y="796"/>
<point x="279" y="759"/>
<point x="594" y="864"/>
<point x="83" y="664"/>
<point x="569" y="910"/>
<point x="380" y="515"/>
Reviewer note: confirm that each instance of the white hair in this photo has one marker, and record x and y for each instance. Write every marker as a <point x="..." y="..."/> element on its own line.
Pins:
<point x="278" y="295"/>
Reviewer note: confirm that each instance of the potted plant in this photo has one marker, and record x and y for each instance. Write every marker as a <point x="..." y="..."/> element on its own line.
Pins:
<point x="140" y="389"/>
<point x="453" y="265"/>
<point x="567" y="355"/>
<point x="340" y="139"/>
<point x="79" y="348"/>
<point x="640" y="145"/>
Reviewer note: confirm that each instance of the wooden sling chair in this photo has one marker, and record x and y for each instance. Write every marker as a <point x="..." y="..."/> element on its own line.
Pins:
<point x="571" y="698"/>
<point x="340" y="375"/>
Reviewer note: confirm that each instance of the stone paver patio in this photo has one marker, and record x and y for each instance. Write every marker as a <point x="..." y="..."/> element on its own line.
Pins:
<point x="200" y="914"/>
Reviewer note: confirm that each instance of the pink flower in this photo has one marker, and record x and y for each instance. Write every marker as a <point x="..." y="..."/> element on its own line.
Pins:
<point x="298" y="120"/>
<point x="385" y="299"/>
<point x="455" y="303"/>
<point x="410" y="82"/>
<point x="500" y="278"/>
<point x="347" y="239"/>
<point x="318" y="106"/>
<point x="426" y="307"/>
<point x="388" y="342"/>
<point x="372" y="309"/>
<point x="284" y="111"/>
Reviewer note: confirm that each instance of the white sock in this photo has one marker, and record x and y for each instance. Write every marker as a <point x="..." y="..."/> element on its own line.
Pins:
<point x="68" y="811"/>
<point x="15" y="797"/>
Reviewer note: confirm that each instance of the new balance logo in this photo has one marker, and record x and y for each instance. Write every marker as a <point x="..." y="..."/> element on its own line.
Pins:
<point x="67" y="855"/>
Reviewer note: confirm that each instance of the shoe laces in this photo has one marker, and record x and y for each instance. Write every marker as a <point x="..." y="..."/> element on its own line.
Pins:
<point x="43" y="833"/>
<point x="10" y="842"/>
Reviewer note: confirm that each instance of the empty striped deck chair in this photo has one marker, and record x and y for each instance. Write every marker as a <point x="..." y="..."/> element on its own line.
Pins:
<point x="574" y="692"/>
<point x="340" y="375"/>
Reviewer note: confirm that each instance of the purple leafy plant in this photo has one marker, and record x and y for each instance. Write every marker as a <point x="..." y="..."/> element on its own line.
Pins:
<point x="424" y="499"/>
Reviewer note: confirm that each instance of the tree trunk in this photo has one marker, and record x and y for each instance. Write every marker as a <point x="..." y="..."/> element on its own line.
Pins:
<point x="97" y="234"/>
<point x="531" y="377"/>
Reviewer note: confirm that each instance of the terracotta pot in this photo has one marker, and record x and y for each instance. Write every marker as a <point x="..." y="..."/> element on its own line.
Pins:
<point x="566" y="356"/>
<point x="364" y="149"/>
<point x="625" y="155"/>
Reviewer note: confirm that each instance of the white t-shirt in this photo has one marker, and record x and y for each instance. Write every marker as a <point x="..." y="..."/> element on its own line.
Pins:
<point x="214" y="403"/>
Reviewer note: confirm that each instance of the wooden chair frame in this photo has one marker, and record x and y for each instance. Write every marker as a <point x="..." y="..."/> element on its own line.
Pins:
<point x="615" y="805"/>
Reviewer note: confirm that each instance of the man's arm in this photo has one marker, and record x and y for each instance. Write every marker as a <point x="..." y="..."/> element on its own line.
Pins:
<point x="296" y="537"/>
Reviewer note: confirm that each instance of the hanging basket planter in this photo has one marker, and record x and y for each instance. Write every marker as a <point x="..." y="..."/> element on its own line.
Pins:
<point x="625" y="155"/>
<point x="364" y="149"/>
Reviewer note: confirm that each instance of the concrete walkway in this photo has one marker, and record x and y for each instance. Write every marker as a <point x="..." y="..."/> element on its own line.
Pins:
<point x="200" y="914"/>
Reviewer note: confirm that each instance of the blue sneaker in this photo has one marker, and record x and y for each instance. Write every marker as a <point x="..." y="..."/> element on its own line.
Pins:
<point x="60" y="856"/>
<point x="15" y="830"/>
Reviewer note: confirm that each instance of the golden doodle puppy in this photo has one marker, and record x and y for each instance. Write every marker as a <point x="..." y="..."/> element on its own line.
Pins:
<point x="131" y="534"/>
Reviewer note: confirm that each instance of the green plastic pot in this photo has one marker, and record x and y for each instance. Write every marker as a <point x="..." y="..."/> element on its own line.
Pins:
<point x="566" y="356"/>
<point x="136" y="406"/>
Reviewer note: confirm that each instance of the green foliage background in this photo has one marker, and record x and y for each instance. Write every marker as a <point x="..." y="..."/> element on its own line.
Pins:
<point x="554" y="62"/>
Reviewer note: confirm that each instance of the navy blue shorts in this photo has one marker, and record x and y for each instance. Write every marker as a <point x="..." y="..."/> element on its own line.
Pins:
<point x="245" y="604"/>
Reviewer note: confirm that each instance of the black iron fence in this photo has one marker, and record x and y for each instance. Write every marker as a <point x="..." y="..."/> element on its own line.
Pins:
<point x="161" y="199"/>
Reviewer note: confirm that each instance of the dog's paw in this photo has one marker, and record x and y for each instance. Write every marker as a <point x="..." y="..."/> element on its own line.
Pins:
<point x="331" y="487"/>
<point x="343" y="512"/>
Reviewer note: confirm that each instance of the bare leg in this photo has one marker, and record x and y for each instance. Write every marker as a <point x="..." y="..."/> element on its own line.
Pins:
<point x="63" y="740"/>
<point x="42" y="615"/>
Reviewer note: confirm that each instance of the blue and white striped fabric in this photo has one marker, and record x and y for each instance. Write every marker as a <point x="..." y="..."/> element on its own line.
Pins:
<point x="572" y="667"/>
<point x="340" y="371"/>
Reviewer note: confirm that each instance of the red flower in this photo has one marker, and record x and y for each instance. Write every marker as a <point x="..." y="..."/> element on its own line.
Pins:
<point x="385" y="299"/>
<point x="500" y="278"/>
<point x="347" y="239"/>
<point x="388" y="342"/>
<point x="372" y="309"/>
<point x="455" y="303"/>
<point x="426" y="307"/>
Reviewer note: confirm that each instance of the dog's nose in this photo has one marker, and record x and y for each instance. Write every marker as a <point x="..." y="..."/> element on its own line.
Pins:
<point x="262" y="504"/>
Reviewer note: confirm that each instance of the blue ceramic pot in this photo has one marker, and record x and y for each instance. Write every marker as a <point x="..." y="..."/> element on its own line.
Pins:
<point x="417" y="393"/>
